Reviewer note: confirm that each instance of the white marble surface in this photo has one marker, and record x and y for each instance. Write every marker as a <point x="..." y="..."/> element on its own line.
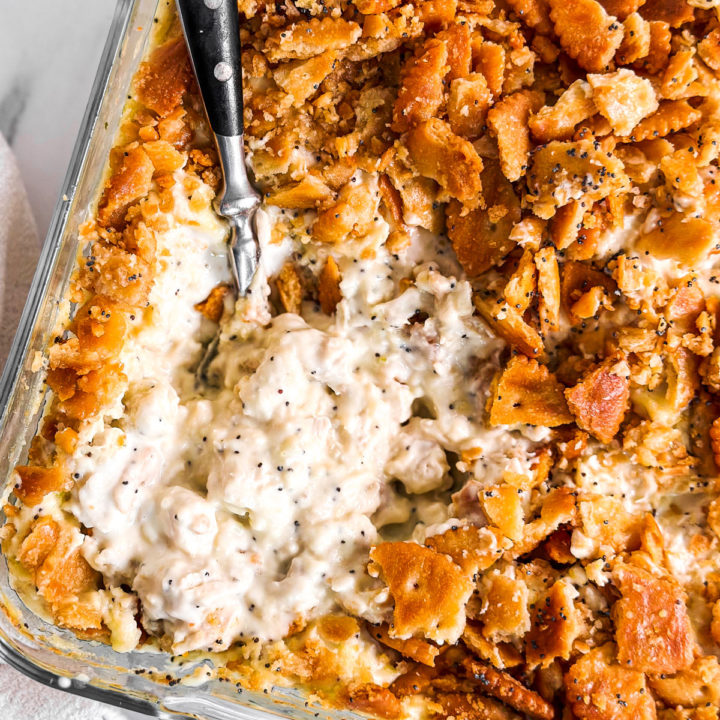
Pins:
<point x="49" y="50"/>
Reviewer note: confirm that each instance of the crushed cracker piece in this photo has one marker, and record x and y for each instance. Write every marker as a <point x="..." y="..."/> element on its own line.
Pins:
<point x="673" y="12"/>
<point x="36" y="482"/>
<point x="653" y="629"/>
<point x="310" y="192"/>
<point x="596" y="682"/>
<point x="468" y="103"/>
<point x="308" y="38"/>
<point x="459" y="49"/>
<point x="548" y="287"/>
<point x="290" y="288"/>
<point x="329" y="293"/>
<point x="509" y="324"/>
<point x="301" y="78"/>
<point x="578" y="278"/>
<point x="131" y="182"/>
<point x="375" y="699"/>
<point x="471" y="706"/>
<point x="527" y="392"/>
<point x="473" y="549"/>
<point x="587" y="32"/>
<point x="599" y="401"/>
<point x="350" y="216"/>
<point x="213" y="305"/>
<point x="164" y="78"/>
<point x="561" y="172"/>
<point x="490" y="62"/>
<point x="505" y="614"/>
<point x="164" y="157"/>
<point x="621" y="8"/>
<point x="555" y="625"/>
<point x="636" y="40"/>
<point x="682" y="237"/>
<point x="503" y="506"/>
<point x="480" y="243"/>
<point x="506" y="688"/>
<point x="567" y="223"/>
<point x="438" y="153"/>
<point x="658" y="53"/>
<point x="521" y="286"/>
<point x="671" y="116"/>
<point x="534" y="13"/>
<point x="709" y="49"/>
<point x="558" y="121"/>
<point x="508" y="119"/>
<point x="696" y="686"/>
<point x="412" y="572"/>
<point x="679" y="74"/>
<point x="681" y="175"/>
<point x="412" y="648"/>
<point x="436" y="13"/>
<point x="623" y="98"/>
<point x="500" y="655"/>
<point x="590" y="303"/>
<point x="421" y="90"/>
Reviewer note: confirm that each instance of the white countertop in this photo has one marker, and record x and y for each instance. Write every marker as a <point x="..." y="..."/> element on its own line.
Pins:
<point x="49" y="51"/>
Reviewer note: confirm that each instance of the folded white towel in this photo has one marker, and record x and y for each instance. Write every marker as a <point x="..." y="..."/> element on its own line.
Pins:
<point x="24" y="699"/>
<point x="20" y="697"/>
<point x="19" y="248"/>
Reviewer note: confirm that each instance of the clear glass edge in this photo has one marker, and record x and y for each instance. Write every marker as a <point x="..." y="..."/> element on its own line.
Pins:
<point x="80" y="675"/>
<point x="48" y="256"/>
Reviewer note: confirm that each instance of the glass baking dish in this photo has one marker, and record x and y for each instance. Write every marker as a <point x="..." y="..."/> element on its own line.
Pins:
<point x="148" y="682"/>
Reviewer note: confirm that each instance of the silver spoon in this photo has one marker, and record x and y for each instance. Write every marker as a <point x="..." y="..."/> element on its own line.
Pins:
<point x="212" y="32"/>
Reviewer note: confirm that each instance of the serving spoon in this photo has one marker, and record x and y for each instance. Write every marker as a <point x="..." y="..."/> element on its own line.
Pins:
<point x="212" y="32"/>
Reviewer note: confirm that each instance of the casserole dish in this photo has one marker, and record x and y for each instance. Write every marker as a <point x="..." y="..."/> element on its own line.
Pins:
<point x="138" y="681"/>
<point x="456" y="454"/>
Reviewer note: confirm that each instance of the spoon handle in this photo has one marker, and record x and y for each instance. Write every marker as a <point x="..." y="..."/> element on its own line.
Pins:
<point x="212" y="31"/>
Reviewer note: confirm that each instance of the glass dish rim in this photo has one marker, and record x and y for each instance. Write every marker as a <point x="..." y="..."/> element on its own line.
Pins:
<point x="121" y="17"/>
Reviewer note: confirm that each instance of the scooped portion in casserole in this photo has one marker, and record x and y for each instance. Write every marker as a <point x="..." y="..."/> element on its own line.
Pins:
<point x="457" y="454"/>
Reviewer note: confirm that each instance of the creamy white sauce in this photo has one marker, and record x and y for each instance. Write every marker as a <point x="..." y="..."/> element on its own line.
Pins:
<point x="234" y="510"/>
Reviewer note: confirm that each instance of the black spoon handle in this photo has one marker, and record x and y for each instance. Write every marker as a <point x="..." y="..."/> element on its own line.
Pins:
<point x="212" y="31"/>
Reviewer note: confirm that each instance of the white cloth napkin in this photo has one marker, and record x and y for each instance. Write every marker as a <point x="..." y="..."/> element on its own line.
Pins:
<point x="19" y="248"/>
<point x="20" y="697"/>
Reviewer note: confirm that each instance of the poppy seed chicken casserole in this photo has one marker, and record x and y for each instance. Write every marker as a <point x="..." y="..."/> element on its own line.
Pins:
<point x="458" y="453"/>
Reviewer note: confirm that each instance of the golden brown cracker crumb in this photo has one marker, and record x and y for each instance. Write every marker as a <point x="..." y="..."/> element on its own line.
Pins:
<point x="653" y="629"/>
<point x="527" y="392"/>
<point x="597" y="687"/>
<point x="411" y="571"/>
<point x="587" y="32"/>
